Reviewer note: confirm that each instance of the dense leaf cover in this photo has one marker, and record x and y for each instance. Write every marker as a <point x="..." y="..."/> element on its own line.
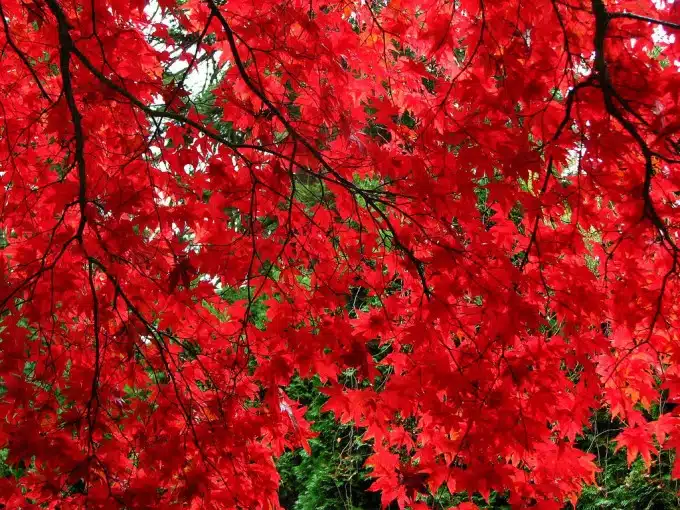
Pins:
<point x="467" y="209"/>
<point x="333" y="477"/>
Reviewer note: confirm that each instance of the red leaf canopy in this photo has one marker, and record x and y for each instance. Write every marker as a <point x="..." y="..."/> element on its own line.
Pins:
<point x="498" y="181"/>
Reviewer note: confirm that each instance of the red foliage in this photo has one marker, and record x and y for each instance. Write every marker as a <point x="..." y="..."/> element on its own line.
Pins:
<point x="500" y="178"/>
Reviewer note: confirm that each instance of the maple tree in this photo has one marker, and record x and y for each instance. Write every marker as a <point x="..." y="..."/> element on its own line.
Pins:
<point x="470" y="208"/>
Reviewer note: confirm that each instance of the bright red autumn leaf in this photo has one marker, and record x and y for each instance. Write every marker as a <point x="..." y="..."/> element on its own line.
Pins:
<point x="636" y="440"/>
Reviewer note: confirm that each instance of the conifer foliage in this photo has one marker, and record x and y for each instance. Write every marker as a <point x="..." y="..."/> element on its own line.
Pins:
<point x="460" y="216"/>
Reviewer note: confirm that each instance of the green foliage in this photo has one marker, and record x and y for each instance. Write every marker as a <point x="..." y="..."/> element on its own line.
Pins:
<point x="621" y="487"/>
<point x="7" y="470"/>
<point x="334" y="476"/>
<point x="258" y="309"/>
